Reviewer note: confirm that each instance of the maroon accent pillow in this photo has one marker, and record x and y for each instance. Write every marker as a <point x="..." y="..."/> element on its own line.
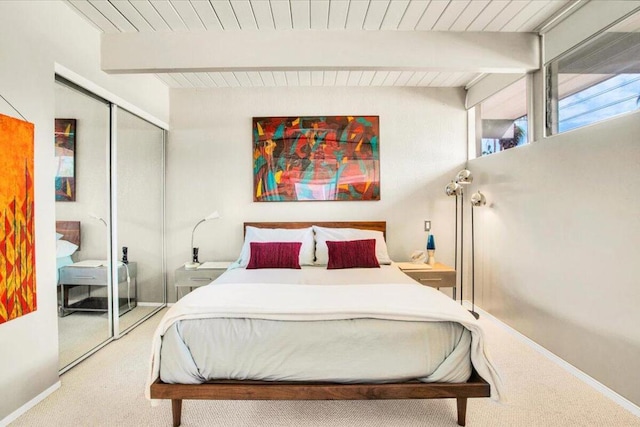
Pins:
<point x="274" y="255"/>
<point x="352" y="254"/>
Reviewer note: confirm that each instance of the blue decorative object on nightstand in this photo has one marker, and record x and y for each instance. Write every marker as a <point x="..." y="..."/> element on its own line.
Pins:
<point x="431" y="243"/>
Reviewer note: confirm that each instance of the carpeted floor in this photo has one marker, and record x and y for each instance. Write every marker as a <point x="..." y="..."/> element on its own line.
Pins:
<point x="80" y="332"/>
<point x="108" y="390"/>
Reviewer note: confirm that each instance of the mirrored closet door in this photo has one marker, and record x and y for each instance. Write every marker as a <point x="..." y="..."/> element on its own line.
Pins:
<point x="109" y="220"/>
<point x="139" y="208"/>
<point x="82" y="137"/>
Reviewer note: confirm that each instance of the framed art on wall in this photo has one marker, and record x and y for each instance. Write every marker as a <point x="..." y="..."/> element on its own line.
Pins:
<point x="17" y="238"/>
<point x="65" y="152"/>
<point x="316" y="158"/>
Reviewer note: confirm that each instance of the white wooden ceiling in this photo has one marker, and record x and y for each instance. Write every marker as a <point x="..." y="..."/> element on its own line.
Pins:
<point x="131" y="16"/>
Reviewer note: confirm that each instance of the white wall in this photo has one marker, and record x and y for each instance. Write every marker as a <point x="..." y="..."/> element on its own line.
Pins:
<point x="557" y="250"/>
<point x="422" y="146"/>
<point x="557" y="245"/>
<point x="33" y="37"/>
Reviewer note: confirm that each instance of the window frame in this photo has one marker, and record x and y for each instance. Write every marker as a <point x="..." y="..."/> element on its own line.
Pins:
<point x="549" y="69"/>
<point x="475" y="117"/>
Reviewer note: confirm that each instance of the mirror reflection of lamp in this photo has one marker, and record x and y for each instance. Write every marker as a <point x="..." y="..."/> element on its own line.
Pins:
<point x="99" y="218"/>
<point x="124" y="261"/>
<point x="194" y="251"/>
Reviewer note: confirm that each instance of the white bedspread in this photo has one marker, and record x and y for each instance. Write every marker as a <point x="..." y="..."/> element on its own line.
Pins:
<point x="276" y="298"/>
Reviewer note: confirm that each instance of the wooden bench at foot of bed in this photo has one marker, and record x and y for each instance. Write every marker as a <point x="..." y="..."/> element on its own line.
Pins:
<point x="476" y="386"/>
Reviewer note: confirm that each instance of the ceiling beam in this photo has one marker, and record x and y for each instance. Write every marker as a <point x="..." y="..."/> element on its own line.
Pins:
<point x="158" y="52"/>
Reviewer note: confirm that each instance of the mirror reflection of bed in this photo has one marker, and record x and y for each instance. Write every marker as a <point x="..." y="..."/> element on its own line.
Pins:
<point x="83" y="315"/>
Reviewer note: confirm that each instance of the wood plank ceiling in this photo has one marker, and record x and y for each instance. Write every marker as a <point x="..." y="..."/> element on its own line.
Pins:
<point x="114" y="16"/>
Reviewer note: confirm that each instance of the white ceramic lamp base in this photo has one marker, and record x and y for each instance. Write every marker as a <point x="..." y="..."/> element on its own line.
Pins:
<point x="191" y="265"/>
<point x="431" y="259"/>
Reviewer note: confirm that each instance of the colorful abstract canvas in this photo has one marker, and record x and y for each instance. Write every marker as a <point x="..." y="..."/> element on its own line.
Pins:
<point x="65" y="140"/>
<point x="17" y="237"/>
<point x="316" y="158"/>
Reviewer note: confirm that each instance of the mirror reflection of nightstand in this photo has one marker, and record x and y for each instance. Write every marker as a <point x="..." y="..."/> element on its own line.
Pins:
<point x="203" y="275"/>
<point x="96" y="279"/>
<point x="437" y="276"/>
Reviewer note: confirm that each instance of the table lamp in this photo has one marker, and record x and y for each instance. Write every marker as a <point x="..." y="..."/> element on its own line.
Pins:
<point x="194" y="251"/>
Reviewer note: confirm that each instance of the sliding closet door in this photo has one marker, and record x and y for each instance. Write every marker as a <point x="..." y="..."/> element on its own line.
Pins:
<point x="82" y="211"/>
<point x="138" y="182"/>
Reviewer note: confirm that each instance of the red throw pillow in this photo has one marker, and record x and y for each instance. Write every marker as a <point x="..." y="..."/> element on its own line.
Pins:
<point x="352" y="254"/>
<point x="274" y="255"/>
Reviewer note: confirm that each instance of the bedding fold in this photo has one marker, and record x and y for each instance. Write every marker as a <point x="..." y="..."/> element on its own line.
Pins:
<point x="266" y="302"/>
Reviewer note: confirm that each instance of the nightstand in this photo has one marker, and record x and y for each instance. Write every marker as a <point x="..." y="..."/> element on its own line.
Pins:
<point x="96" y="278"/>
<point x="199" y="276"/>
<point x="438" y="276"/>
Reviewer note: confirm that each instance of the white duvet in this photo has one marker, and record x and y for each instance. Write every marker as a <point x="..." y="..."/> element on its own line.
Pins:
<point x="315" y="294"/>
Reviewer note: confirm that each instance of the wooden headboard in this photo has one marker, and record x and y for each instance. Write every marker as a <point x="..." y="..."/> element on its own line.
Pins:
<point x="70" y="231"/>
<point x="360" y="225"/>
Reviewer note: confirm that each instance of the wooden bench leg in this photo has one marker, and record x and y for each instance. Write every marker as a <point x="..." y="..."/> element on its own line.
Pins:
<point x="462" y="411"/>
<point x="176" y="410"/>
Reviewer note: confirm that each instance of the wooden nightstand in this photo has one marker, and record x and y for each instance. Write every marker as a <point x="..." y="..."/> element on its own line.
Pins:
<point x="438" y="276"/>
<point x="199" y="277"/>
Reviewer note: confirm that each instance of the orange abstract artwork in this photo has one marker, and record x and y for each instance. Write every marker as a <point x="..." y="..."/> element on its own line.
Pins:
<point x="17" y="231"/>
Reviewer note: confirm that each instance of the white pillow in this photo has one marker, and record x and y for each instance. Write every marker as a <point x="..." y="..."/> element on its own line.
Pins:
<point x="65" y="248"/>
<point x="59" y="236"/>
<point x="255" y="234"/>
<point x="323" y="234"/>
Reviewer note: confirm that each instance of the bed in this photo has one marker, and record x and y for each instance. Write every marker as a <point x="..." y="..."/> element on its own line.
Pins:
<point x="381" y="335"/>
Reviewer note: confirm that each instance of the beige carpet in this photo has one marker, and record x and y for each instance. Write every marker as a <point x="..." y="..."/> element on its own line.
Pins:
<point x="108" y="390"/>
<point x="80" y="332"/>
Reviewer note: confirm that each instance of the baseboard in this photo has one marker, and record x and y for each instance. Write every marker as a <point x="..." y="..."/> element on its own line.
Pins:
<point x="30" y="404"/>
<point x="620" y="400"/>
<point x="149" y="304"/>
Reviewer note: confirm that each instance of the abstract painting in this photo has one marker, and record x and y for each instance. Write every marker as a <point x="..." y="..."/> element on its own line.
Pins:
<point x="17" y="237"/>
<point x="316" y="158"/>
<point x="65" y="140"/>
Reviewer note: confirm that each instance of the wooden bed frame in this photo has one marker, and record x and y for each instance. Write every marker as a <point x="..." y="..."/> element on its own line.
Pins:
<point x="70" y="231"/>
<point x="476" y="386"/>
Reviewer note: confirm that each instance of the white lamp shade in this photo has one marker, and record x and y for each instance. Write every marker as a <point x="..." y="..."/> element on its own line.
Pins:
<point x="212" y="215"/>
